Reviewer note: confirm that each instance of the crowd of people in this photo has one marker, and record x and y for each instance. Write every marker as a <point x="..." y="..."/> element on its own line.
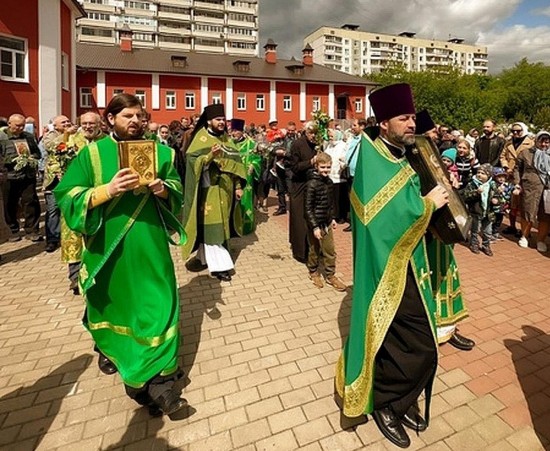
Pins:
<point x="211" y="177"/>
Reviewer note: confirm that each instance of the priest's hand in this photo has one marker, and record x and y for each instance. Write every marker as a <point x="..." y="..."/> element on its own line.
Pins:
<point x="216" y="150"/>
<point x="124" y="180"/>
<point x="238" y="193"/>
<point x="158" y="188"/>
<point x="439" y="196"/>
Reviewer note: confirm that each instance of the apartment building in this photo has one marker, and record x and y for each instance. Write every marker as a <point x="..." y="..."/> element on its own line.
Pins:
<point x="357" y="52"/>
<point x="214" y="26"/>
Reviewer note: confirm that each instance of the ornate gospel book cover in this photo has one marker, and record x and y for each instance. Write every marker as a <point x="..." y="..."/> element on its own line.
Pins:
<point x="140" y="156"/>
<point x="452" y="222"/>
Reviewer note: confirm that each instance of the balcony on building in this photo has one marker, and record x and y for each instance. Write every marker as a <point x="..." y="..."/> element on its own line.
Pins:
<point x="209" y="45"/>
<point x="244" y="7"/>
<point x="174" y="42"/>
<point x="175" y="28"/>
<point x="89" y="22"/>
<point x="87" y="34"/>
<point x="242" y="20"/>
<point x="209" y="18"/>
<point x="107" y="6"/>
<point x="174" y="3"/>
<point x="173" y="12"/>
<point x="210" y="5"/>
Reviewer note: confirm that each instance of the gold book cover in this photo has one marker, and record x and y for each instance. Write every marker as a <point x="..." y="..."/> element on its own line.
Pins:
<point x="140" y="156"/>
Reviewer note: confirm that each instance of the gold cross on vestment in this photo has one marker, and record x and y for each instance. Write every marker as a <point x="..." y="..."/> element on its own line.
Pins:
<point x="455" y="273"/>
<point x="424" y="275"/>
<point x="207" y="207"/>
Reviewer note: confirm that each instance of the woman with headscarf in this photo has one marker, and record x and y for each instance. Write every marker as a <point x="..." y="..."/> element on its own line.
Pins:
<point x="517" y="143"/>
<point x="532" y="178"/>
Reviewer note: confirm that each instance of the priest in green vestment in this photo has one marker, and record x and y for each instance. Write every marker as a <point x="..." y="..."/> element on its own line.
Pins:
<point x="127" y="275"/>
<point x="214" y="182"/>
<point x="390" y="356"/>
<point x="253" y="165"/>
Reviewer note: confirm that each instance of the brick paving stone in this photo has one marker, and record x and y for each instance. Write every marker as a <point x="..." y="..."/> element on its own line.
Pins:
<point x="260" y="355"/>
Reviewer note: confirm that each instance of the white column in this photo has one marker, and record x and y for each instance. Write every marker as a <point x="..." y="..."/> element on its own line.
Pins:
<point x="229" y="98"/>
<point x="272" y="100"/>
<point x="367" y="110"/>
<point x="155" y="92"/>
<point x="204" y="92"/>
<point x="49" y="60"/>
<point x="303" y="106"/>
<point x="100" y="88"/>
<point x="74" y="93"/>
<point x="331" y="111"/>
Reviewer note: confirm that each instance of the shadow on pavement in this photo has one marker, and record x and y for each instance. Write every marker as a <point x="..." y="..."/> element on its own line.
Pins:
<point x="199" y="298"/>
<point x="533" y="348"/>
<point x="27" y="413"/>
<point x="32" y="250"/>
<point x="344" y="314"/>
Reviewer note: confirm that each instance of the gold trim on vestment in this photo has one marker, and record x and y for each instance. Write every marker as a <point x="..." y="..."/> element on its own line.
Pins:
<point x="366" y="212"/>
<point x="128" y="332"/>
<point x="382" y="310"/>
<point x="96" y="163"/>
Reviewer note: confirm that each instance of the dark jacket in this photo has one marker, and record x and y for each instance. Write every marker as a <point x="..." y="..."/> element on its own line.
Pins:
<point x="472" y="198"/>
<point x="8" y="152"/>
<point x="488" y="150"/>
<point x="319" y="201"/>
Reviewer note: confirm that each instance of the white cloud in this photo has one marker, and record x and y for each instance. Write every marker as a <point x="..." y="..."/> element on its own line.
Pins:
<point x="476" y="21"/>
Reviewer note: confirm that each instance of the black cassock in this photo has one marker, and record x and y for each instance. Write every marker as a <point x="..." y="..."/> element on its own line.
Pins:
<point x="301" y="153"/>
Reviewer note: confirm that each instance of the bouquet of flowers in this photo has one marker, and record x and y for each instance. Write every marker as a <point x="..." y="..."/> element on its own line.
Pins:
<point x="323" y="120"/>
<point x="64" y="153"/>
<point x="24" y="159"/>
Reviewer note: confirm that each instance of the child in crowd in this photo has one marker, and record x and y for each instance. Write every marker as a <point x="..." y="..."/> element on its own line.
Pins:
<point x="480" y="195"/>
<point x="449" y="157"/>
<point x="503" y="195"/>
<point x="319" y="212"/>
<point x="466" y="162"/>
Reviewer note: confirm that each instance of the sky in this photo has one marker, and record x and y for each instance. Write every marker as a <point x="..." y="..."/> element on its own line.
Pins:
<point x="510" y="29"/>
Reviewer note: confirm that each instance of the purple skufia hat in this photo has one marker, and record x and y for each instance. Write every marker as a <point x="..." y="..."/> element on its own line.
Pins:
<point x="392" y="101"/>
<point x="237" y="124"/>
<point x="424" y="122"/>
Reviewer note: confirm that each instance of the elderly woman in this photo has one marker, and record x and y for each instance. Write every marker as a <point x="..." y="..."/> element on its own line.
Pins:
<point x="517" y="143"/>
<point x="532" y="178"/>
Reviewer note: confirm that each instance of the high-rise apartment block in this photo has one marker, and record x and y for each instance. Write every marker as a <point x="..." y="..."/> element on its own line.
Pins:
<point x="357" y="52"/>
<point x="217" y="26"/>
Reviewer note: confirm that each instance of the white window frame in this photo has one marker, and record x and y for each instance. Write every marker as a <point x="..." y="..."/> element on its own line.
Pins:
<point x="358" y="105"/>
<point x="316" y="103"/>
<point x="260" y="102"/>
<point x="18" y="58"/>
<point x="86" y="97"/>
<point x="287" y="103"/>
<point x="170" y="100"/>
<point x="189" y="100"/>
<point x="216" y="98"/>
<point x="65" y="80"/>
<point x="241" y="102"/>
<point x="141" y="95"/>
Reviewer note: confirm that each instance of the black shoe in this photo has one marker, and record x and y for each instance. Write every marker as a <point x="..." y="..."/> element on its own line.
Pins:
<point x="487" y="251"/>
<point x="510" y="230"/>
<point x="224" y="276"/>
<point x="347" y="229"/>
<point x="474" y="248"/>
<point x="195" y="265"/>
<point x="391" y="427"/>
<point x="51" y="247"/>
<point x="280" y="211"/>
<point x="461" y="342"/>
<point x="170" y="403"/>
<point x="34" y="237"/>
<point x="14" y="238"/>
<point x="105" y="365"/>
<point x="413" y="420"/>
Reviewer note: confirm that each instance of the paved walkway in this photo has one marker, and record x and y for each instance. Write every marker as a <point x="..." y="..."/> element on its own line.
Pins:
<point x="260" y="353"/>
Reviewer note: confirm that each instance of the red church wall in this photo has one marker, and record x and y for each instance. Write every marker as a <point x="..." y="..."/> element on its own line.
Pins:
<point x="288" y="89"/>
<point x="181" y="86"/>
<point x="87" y="79"/>
<point x="320" y="91"/>
<point x="129" y="83"/>
<point x="251" y="88"/>
<point x="66" y="47"/>
<point x="352" y="93"/>
<point x="216" y="88"/>
<point x="20" y="97"/>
